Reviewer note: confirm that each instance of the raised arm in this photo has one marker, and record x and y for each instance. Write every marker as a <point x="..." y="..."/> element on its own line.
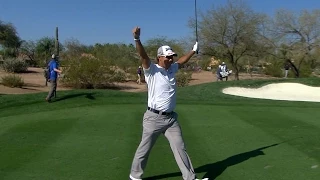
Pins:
<point x="187" y="56"/>
<point x="140" y="49"/>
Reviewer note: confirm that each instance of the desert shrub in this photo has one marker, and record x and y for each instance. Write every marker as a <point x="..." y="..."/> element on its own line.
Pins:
<point x="316" y="71"/>
<point x="274" y="68"/>
<point x="117" y="76"/>
<point x="89" y="73"/>
<point x="14" y="65"/>
<point x="204" y="63"/>
<point x="305" y="70"/>
<point x="12" y="80"/>
<point x="131" y="73"/>
<point x="183" y="78"/>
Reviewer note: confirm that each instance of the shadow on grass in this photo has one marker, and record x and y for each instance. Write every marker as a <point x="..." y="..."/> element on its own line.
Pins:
<point x="213" y="170"/>
<point x="119" y="87"/>
<point x="42" y="100"/>
<point x="70" y="96"/>
<point x="32" y="89"/>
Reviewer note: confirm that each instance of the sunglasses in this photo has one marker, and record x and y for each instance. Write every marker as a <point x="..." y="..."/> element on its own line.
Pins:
<point x="169" y="57"/>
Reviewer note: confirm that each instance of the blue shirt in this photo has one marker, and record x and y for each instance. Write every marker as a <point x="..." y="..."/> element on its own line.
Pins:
<point x="53" y="65"/>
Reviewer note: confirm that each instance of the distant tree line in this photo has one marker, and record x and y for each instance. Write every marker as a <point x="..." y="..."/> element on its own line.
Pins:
<point x="237" y="34"/>
<point x="233" y="33"/>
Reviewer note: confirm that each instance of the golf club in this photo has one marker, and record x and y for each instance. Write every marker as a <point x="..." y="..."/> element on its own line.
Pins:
<point x="196" y="19"/>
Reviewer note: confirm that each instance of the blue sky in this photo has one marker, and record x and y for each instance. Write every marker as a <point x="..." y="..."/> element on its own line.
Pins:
<point x="111" y="21"/>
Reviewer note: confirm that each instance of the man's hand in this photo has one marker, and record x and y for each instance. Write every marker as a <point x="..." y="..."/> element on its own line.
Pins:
<point x="142" y="53"/>
<point x="187" y="57"/>
<point x="195" y="47"/>
<point x="57" y="70"/>
<point x="136" y="33"/>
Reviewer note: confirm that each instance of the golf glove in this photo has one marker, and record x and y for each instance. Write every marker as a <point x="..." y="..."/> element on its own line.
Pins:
<point x="195" y="47"/>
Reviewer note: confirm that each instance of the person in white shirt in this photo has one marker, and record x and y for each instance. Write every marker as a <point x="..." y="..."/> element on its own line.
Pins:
<point x="223" y="72"/>
<point x="160" y="117"/>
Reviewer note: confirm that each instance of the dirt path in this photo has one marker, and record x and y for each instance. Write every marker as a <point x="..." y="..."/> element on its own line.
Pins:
<point x="34" y="82"/>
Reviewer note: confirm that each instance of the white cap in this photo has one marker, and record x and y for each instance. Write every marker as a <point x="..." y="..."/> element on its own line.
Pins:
<point x="166" y="51"/>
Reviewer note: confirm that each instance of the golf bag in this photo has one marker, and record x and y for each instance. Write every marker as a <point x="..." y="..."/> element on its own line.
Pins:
<point x="225" y="73"/>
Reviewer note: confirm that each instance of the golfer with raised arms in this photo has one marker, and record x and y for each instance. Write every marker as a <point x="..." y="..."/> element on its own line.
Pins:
<point x="160" y="117"/>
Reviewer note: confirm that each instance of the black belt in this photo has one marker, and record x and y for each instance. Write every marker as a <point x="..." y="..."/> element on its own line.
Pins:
<point x="159" y="112"/>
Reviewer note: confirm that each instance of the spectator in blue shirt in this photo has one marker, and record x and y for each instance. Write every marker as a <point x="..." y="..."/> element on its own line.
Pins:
<point x="54" y="70"/>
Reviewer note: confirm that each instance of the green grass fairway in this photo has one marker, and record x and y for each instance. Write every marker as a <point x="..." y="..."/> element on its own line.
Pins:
<point x="93" y="135"/>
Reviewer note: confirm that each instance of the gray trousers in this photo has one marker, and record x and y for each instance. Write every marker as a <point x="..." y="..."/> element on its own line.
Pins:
<point x="154" y="125"/>
<point x="286" y="73"/>
<point x="53" y="89"/>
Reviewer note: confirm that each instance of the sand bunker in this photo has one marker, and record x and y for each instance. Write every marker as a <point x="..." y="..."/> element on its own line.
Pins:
<point x="278" y="91"/>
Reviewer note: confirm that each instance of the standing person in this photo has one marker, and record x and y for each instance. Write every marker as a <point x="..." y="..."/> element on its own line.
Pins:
<point x="219" y="76"/>
<point x="139" y="72"/>
<point x="286" y="69"/>
<point x="224" y="71"/>
<point x="160" y="117"/>
<point x="53" y="77"/>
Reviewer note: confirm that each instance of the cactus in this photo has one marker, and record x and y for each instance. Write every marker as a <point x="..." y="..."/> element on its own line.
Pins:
<point x="57" y="43"/>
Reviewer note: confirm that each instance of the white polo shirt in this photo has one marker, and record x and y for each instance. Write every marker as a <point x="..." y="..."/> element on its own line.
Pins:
<point x="161" y="87"/>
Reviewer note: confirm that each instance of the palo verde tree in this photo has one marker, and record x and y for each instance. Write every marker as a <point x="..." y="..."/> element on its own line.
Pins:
<point x="118" y="55"/>
<point x="9" y="39"/>
<point x="28" y="48"/>
<point x="153" y="44"/>
<point x="44" y="48"/>
<point x="300" y="33"/>
<point x="231" y="32"/>
<point x="73" y="48"/>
